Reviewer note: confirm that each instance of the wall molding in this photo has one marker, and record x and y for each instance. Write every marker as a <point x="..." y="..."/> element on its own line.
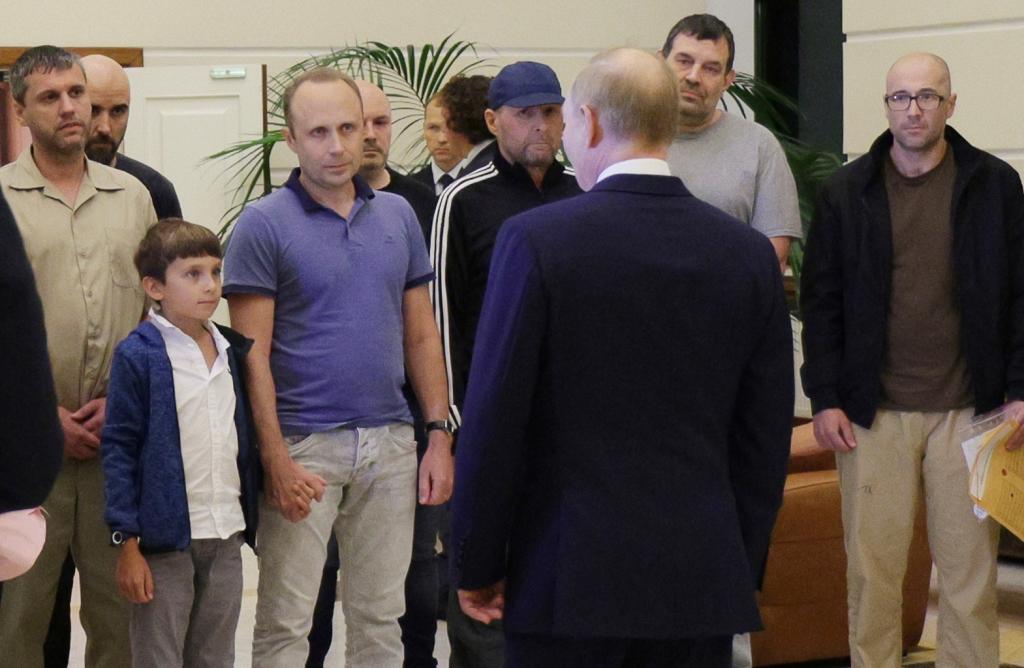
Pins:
<point x="944" y="30"/>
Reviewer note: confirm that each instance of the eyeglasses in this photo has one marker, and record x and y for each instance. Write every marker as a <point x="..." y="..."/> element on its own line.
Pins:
<point x="925" y="101"/>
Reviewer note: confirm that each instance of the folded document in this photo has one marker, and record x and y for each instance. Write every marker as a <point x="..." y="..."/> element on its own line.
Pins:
<point x="996" y="475"/>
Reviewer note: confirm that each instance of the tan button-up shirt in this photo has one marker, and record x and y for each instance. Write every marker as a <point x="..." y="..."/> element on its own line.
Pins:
<point x="81" y="253"/>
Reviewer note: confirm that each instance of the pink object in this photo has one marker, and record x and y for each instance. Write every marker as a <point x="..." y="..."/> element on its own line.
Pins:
<point x="22" y="534"/>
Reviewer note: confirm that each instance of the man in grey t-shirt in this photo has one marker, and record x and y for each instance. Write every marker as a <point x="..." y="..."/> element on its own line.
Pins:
<point x="722" y="158"/>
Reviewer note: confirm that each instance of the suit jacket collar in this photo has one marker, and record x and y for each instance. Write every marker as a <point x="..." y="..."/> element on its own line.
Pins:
<point x="666" y="186"/>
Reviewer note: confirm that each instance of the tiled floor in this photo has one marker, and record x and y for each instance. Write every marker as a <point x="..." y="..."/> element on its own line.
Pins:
<point x="1011" y="623"/>
<point x="1011" y="613"/>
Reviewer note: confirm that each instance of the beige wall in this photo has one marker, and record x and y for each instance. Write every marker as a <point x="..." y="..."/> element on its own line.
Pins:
<point x="983" y="41"/>
<point x="527" y="24"/>
<point x="561" y="33"/>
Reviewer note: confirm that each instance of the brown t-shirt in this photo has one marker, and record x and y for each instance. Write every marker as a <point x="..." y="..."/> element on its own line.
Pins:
<point x="924" y="369"/>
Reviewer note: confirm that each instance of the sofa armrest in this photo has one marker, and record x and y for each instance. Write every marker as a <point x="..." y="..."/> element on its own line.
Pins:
<point x="805" y="454"/>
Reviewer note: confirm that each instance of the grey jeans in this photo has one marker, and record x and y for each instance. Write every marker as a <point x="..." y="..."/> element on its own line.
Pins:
<point x="192" y="618"/>
<point x="369" y="503"/>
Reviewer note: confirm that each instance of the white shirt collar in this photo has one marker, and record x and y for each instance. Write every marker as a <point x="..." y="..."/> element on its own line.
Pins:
<point x="437" y="172"/>
<point x="475" y="151"/>
<point x="645" y="166"/>
<point x="170" y="328"/>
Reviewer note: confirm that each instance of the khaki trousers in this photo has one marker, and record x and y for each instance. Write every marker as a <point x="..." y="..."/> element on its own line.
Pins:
<point x="881" y="482"/>
<point x="74" y="521"/>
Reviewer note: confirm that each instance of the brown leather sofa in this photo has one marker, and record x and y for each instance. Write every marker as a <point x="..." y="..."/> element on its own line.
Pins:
<point x="803" y="597"/>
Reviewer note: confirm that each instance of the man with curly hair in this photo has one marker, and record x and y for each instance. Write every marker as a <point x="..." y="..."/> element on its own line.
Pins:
<point x="465" y="99"/>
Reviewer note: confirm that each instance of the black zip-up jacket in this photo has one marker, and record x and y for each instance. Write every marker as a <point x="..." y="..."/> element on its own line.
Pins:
<point x="468" y="216"/>
<point x="847" y="278"/>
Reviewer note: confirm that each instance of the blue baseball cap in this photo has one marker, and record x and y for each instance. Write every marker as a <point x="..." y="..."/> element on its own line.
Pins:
<point x="524" y="84"/>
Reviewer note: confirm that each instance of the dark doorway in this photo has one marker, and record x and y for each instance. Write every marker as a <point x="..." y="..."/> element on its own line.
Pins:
<point x="800" y="51"/>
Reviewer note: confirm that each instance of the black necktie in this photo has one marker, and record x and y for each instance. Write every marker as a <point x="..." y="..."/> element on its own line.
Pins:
<point x="445" y="180"/>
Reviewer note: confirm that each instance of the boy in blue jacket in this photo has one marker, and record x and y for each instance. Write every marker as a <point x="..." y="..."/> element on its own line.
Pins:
<point x="181" y="473"/>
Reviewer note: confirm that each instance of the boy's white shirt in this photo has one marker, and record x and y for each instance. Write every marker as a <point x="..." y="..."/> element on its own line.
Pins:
<point x="205" y="398"/>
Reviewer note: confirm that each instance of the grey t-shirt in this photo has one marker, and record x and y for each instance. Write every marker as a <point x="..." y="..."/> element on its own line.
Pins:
<point x="739" y="167"/>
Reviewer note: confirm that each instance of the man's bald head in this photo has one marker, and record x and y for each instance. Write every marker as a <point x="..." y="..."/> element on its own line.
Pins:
<point x="372" y="94"/>
<point x="920" y="65"/>
<point x="110" y="95"/>
<point x="376" y="128"/>
<point x="634" y="95"/>
<point x="623" y="105"/>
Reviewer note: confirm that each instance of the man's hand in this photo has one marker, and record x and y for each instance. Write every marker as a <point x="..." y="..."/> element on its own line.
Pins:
<point x="79" y="442"/>
<point x="291" y="488"/>
<point x="437" y="469"/>
<point x="92" y="416"/>
<point x="832" y="430"/>
<point x="484" y="605"/>
<point x="1014" y="410"/>
<point x="134" y="579"/>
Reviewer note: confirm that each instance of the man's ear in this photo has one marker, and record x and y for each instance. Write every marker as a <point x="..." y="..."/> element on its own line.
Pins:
<point x="153" y="288"/>
<point x="289" y="138"/>
<point x="592" y="126"/>
<point x="730" y="78"/>
<point x="19" y="113"/>
<point x="490" y="117"/>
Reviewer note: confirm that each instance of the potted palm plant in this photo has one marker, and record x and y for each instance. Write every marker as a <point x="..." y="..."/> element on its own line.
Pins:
<point x="409" y="75"/>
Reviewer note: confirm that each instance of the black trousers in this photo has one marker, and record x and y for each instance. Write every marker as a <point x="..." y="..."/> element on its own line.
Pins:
<point x="538" y="651"/>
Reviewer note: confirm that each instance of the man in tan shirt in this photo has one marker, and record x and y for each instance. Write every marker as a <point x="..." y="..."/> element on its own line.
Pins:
<point x="81" y="222"/>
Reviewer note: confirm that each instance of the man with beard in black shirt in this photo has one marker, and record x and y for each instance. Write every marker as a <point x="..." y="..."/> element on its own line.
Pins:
<point x="111" y="96"/>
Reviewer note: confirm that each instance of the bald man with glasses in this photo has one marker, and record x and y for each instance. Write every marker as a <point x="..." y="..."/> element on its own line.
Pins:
<point x="912" y="297"/>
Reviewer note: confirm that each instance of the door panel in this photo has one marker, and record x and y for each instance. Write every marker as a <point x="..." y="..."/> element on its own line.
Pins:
<point x="180" y="115"/>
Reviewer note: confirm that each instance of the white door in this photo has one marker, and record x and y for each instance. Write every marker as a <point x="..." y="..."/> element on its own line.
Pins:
<point x="180" y="115"/>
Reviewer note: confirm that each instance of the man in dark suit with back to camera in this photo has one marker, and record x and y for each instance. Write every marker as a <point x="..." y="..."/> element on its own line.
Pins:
<point x="630" y="403"/>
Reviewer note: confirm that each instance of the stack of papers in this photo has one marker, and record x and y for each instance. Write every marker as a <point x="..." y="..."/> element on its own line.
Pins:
<point x="996" y="475"/>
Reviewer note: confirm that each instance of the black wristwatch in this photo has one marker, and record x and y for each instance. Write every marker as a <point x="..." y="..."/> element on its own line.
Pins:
<point x="440" y="425"/>
<point x="119" y="538"/>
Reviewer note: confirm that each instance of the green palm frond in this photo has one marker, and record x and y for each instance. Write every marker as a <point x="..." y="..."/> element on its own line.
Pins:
<point x="766" y="101"/>
<point x="409" y="75"/>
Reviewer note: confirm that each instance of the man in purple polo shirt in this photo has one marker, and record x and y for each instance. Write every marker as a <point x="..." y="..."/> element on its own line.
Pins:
<point x="329" y="278"/>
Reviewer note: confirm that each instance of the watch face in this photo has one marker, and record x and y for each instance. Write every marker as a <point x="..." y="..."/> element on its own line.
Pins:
<point x="117" y="538"/>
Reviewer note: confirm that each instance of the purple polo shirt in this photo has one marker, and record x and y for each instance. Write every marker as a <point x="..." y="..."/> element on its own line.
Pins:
<point x="338" y="285"/>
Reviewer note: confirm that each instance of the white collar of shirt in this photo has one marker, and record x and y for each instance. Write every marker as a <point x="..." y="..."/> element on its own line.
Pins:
<point x="475" y="151"/>
<point x="178" y="338"/>
<point x="645" y="166"/>
<point x="437" y="172"/>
